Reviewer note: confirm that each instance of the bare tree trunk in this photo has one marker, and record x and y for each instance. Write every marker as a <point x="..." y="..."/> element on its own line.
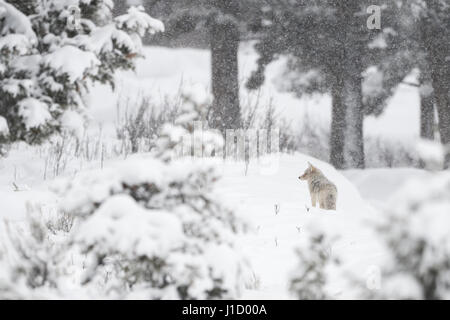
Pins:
<point x="354" y="117"/>
<point x="435" y="39"/>
<point x="225" y="83"/>
<point x="427" y="116"/>
<point x="337" y="128"/>
<point x="443" y="108"/>
<point x="350" y="51"/>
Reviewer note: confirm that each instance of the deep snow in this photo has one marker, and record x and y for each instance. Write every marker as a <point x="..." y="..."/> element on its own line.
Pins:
<point x="276" y="204"/>
<point x="271" y="243"/>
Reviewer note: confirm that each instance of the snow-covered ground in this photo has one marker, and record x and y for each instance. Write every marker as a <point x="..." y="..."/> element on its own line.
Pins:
<point x="276" y="233"/>
<point x="280" y="210"/>
<point x="276" y="204"/>
<point x="278" y="207"/>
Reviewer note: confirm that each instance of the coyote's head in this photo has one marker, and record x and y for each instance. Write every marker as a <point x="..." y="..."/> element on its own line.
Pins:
<point x="308" y="172"/>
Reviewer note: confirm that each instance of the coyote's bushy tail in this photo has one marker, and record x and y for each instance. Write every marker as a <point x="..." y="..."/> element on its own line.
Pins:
<point x="330" y="201"/>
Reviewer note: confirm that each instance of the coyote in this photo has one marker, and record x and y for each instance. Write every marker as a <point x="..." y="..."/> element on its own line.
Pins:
<point x="320" y="188"/>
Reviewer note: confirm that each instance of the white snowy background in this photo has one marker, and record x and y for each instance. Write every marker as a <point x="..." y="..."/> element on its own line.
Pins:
<point x="276" y="204"/>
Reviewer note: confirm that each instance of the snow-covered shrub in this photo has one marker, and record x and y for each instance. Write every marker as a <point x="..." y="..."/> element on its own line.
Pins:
<point x="288" y="139"/>
<point x="255" y="116"/>
<point x="140" y="123"/>
<point x="271" y="121"/>
<point x="34" y="256"/>
<point x="309" y="280"/>
<point x="416" y="233"/>
<point x="431" y="154"/>
<point x="190" y="134"/>
<point x="52" y="52"/>
<point x="389" y="153"/>
<point x="313" y="139"/>
<point x="153" y="225"/>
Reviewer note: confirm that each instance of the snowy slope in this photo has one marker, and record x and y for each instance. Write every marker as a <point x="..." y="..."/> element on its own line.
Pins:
<point x="378" y="185"/>
<point x="275" y="235"/>
<point x="255" y="195"/>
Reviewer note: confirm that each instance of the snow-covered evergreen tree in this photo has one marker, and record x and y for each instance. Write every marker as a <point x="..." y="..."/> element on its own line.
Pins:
<point x="434" y="27"/>
<point x="405" y="54"/>
<point x="51" y="53"/>
<point x="417" y="238"/>
<point x="309" y="279"/>
<point x="329" y="50"/>
<point x="36" y="261"/>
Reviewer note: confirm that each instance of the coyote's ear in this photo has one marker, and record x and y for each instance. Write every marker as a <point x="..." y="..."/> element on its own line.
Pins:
<point x="311" y="167"/>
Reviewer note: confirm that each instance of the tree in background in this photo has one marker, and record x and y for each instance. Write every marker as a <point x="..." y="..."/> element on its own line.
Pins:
<point x="328" y="46"/>
<point x="50" y="56"/>
<point x="224" y="22"/>
<point x="417" y="242"/>
<point x="225" y="37"/>
<point x="405" y="54"/>
<point x="434" y="25"/>
<point x="419" y="38"/>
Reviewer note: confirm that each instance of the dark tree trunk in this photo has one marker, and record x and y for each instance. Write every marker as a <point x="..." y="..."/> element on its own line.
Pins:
<point x="225" y="36"/>
<point x="427" y="117"/>
<point x="337" y="137"/>
<point x="351" y="48"/>
<point x="225" y="83"/>
<point x="435" y="40"/>
<point x="443" y="108"/>
<point x="354" y="119"/>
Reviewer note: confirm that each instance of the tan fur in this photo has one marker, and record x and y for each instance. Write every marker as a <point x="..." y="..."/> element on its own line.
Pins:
<point x="321" y="189"/>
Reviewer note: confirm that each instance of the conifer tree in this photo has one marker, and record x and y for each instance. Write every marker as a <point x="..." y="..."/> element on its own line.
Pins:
<point x="51" y="53"/>
<point x="330" y="49"/>
<point x="223" y="23"/>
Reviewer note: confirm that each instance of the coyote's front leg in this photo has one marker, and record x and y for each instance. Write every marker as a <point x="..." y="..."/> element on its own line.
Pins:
<point x="313" y="199"/>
